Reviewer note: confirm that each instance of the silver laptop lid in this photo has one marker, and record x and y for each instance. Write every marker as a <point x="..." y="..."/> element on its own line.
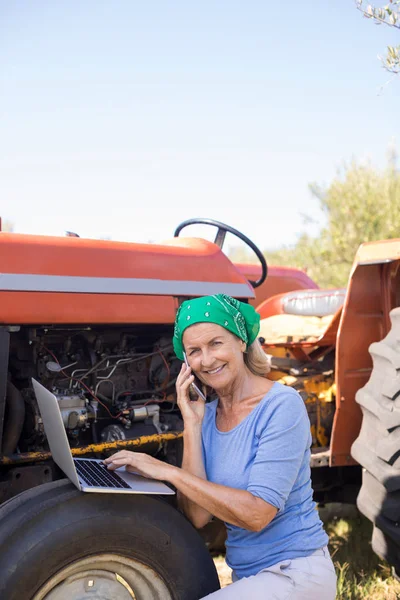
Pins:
<point x="55" y="431"/>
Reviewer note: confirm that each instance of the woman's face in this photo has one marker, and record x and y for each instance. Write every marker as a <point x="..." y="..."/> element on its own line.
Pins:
<point x="215" y="354"/>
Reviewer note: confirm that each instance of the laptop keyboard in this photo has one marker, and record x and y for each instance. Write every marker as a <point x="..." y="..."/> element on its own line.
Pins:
<point x="97" y="474"/>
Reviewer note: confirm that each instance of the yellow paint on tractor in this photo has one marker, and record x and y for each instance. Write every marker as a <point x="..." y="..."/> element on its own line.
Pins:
<point x="143" y="440"/>
<point x="319" y="394"/>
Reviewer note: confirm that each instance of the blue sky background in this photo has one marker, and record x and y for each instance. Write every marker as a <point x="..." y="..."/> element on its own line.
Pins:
<point x="124" y="118"/>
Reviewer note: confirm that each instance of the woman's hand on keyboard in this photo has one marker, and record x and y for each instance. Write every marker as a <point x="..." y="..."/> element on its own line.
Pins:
<point x="138" y="462"/>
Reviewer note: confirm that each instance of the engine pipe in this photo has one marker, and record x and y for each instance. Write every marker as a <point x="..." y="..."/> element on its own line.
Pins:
<point x="30" y="457"/>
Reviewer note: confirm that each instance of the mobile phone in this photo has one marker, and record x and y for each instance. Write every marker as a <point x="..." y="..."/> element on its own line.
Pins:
<point x="193" y="385"/>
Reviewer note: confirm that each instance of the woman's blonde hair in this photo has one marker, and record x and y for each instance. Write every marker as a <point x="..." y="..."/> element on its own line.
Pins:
<point x="256" y="360"/>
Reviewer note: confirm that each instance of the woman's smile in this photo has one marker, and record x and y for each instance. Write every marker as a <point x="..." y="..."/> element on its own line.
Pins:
<point x="214" y="371"/>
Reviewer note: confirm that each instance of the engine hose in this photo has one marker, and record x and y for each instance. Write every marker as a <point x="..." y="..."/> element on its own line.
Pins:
<point x="15" y="419"/>
<point x="32" y="457"/>
<point x="151" y="391"/>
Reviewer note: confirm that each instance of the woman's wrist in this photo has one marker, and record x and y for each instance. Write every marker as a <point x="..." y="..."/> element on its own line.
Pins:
<point x="191" y="430"/>
<point x="173" y="475"/>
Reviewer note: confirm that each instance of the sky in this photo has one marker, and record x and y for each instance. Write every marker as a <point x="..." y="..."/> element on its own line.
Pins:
<point x="121" y="119"/>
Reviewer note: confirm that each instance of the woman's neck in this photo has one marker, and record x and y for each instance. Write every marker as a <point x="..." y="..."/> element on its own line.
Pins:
<point x="245" y="387"/>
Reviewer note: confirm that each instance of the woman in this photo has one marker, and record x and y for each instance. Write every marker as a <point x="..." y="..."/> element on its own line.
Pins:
<point x="246" y="458"/>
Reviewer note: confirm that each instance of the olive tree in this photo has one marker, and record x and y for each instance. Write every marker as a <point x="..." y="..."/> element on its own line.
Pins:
<point x="361" y="204"/>
<point x="389" y="14"/>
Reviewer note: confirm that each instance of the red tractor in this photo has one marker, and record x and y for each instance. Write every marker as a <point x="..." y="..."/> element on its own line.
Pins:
<point x="92" y="321"/>
<point x="341" y="350"/>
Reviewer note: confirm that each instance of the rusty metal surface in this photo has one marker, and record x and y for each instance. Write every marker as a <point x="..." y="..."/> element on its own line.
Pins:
<point x="328" y="337"/>
<point x="30" y="457"/>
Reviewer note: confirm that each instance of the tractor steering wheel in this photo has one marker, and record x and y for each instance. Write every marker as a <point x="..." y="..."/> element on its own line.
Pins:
<point x="222" y="230"/>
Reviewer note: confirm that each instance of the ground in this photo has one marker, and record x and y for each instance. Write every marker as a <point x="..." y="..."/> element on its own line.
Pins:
<point x="361" y="574"/>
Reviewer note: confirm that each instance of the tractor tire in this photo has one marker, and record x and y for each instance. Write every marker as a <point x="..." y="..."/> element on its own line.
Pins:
<point x="57" y="543"/>
<point x="377" y="447"/>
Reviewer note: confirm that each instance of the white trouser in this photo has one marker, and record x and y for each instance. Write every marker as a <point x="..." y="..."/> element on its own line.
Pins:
<point x="310" y="578"/>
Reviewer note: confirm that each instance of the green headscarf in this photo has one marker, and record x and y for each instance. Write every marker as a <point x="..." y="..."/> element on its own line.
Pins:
<point x="237" y="317"/>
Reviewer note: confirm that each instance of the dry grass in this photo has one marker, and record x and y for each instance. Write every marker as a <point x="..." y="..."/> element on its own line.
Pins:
<point x="361" y="574"/>
<point x="224" y="572"/>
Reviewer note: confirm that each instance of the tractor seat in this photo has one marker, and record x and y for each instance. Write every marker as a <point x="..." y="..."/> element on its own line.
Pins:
<point x="313" y="303"/>
<point x="299" y="316"/>
<point x="306" y="303"/>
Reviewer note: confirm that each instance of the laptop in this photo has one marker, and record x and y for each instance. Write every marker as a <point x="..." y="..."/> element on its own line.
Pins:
<point x="88" y="474"/>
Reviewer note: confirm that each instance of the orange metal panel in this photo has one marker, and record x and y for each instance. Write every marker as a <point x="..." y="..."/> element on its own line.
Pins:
<point x="17" y="308"/>
<point x="380" y="251"/>
<point x="279" y="280"/>
<point x="177" y="259"/>
<point x="372" y="292"/>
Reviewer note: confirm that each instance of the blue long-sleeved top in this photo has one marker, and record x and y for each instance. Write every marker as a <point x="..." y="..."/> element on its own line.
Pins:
<point x="267" y="454"/>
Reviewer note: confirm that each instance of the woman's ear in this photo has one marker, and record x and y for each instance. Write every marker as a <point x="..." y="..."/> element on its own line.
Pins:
<point x="244" y="347"/>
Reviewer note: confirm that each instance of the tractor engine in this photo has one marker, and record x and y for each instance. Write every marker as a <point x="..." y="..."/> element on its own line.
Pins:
<point x="110" y="384"/>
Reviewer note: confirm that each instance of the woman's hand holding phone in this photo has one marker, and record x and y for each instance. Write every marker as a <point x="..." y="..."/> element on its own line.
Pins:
<point x="192" y="412"/>
<point x="193" y="385"/>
